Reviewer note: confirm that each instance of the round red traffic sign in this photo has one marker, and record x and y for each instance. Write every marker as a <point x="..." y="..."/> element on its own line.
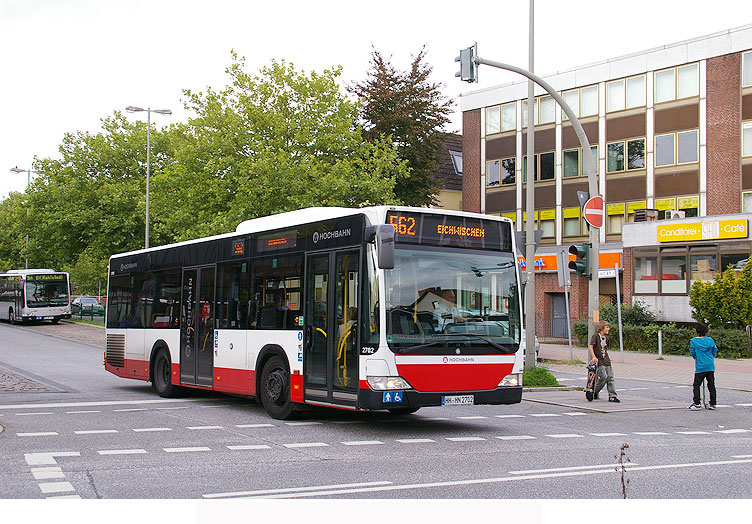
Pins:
<point x="593" y="211"/>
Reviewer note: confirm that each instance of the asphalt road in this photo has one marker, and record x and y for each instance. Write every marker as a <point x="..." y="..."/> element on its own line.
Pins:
<point x="81" y="432"/>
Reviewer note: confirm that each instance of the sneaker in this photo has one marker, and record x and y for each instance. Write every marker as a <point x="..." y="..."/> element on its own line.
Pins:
<point x="710" y="406"/>
<point x="595" y="397"/>
<point x="614" y="399"/>
<point x="694" y="407"/>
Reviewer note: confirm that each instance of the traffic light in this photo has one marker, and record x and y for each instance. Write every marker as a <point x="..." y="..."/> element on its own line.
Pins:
<point x="468" y="69"/>
<point x="581" y="263"/>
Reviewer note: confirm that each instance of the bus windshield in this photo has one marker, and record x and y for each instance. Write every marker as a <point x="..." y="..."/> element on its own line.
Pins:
<point x="47" y="292"/>
<point x="441" y="297"/>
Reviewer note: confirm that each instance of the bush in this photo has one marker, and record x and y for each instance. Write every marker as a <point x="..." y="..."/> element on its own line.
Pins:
<point x="538" y="377"/>
<point x="724" y="301"/>
<point x="732" y="343"/>
<point x="638" y="314"/>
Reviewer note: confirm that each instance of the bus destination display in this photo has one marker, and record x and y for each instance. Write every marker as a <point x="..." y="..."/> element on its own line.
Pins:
<point x="444" y="230"/>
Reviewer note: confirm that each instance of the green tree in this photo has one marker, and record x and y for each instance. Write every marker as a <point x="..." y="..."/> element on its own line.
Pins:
<point x="724" y="300"/>
<point x="410" y="109"/>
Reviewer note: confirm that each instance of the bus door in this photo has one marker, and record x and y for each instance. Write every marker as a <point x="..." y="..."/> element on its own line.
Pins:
<point x="330" y="355"/>
<point x="197" y="326"/>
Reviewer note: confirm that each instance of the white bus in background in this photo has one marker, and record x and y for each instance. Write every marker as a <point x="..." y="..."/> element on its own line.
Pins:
<point x="389" y="308"/>
<point x="34" y="294"/>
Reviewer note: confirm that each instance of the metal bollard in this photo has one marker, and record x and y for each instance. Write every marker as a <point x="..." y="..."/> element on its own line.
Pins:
<point x="660" y="343"/>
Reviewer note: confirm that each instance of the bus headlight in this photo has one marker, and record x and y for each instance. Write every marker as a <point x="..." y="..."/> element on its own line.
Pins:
<point x="385" y="383"/>
<point x="515" y="379"/>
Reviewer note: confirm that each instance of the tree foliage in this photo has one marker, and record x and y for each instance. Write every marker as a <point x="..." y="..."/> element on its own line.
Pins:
<point x="725" y="300"/>
<point x="409" y="108"/>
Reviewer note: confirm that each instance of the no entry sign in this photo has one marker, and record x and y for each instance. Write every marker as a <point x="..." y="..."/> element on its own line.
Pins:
<point x="593" y="211"/>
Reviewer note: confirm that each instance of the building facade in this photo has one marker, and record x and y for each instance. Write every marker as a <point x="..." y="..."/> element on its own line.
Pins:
<point x="670" y="130"/>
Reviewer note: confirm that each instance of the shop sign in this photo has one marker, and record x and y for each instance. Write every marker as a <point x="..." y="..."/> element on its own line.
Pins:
<point x="710" y="230"/>
<point x="665" y="204"/>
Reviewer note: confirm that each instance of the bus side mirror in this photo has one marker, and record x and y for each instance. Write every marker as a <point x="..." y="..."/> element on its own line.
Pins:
<point x="383" y="235"/>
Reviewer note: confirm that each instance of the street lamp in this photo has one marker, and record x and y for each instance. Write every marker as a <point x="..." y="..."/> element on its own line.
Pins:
<point x="28" y="183"/>
<point x="149" y="111"/>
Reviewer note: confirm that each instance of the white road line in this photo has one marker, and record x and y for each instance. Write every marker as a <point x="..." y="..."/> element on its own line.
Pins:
<point x="56" y="487"/>
<point x="129" y="409"/>
<point x="249" y="447"/>
<point x="99" y="403"/>
<point x="187" y="450"/>
<point x="566" y="435"/>
<point x="362" y="443"/>
<point x="722" y="406"/>
<point x="204" y="427"/>
<point x="85" y="411"/>
<point x="176" y="407"/>
<point x="620" y="389"/>
<point x="747" y="405"/>
<point x="349" y="422"/>
<point x="731" y="431"/>
<point x="475" y="417"/>
<point x="544" y="415"/>
<point x="32" y="414"/>
<point x="570" y="468"/>
<point x="693" y="432"/>
<point x="650" y="433"/>
<point x="47" y="473"/>
<point x="95" y="431"/>
<point x="64" y="497"/>
<point x="608" y="434"/>
<point x="576" y="414"/>
<point x="254" y="425"/>
<point x="306" y="445"/>
<point x="145" y="430"/>
<point x="415" y="440"/>
<point x="638" y="389"/>
<point x="742" y="456"/>
<point x="510" y="416"/>
<point x="516" y="437"/>
<point x="435" y="418"/>
<point x="293" y="490"/>
<point x="310" y="423"/>
<point x="682" y="386"/>
<point x="122" y="451"/>
<point x="465" y="439"/>
<point x="48" y="458"/>
<point x="38" y="434"/>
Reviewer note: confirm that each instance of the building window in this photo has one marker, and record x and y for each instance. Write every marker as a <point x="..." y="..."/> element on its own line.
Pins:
<point x="524" y="112"/>
<point x="572" y="98"/>
<point x="548" y="222"/>
<point x="747" y="202"/>
<point x="619" y="97"/>
<point x="702" y="267"/>
<point x="492" y="120"/>
<point x="677" y="83"/>
<point x="646" y="271"/>
<point x="572" y="222"/>
<point x="583" y="101"/>
<point x="492" y="172"/>
<point x="626" y="155"/>
<point x="457" y="162"/>
<point x="544" y="167"/>
<point x="571" y="163"/>
<point x="690" y="205"/>
<point x="508" y="171"/>
<point x="615" y="218"/>
<point x="747" y="135"/>
<point x="673" y="271"/>
<point x="546" y="110"/>
<point x="747" y="69"/>
<point x="676" y="148"/>
<point x="509" y="117"/>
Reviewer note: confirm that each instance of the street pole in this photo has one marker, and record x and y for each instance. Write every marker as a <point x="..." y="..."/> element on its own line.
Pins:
<point x="530" y="205"/>
<point x="28" y="184"/>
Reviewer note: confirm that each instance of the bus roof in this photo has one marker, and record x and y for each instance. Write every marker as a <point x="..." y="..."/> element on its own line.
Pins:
<point x="24" y="272"/>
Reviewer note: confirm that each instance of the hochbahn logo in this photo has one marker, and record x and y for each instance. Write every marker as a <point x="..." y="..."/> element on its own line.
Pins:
<point x="458" y="360"/>
<point x="328" y="235"/>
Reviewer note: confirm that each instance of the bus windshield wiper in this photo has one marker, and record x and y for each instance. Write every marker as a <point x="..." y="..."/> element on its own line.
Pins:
<point x="421" y="346"/>
<point x="484" y="338"/>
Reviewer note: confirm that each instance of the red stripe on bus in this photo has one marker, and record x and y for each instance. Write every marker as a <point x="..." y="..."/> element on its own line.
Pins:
<point x="234" y="380"/>
<point x="137" y="369"/>
<point x="296" y="388"/>
<point x="454" y="377"/>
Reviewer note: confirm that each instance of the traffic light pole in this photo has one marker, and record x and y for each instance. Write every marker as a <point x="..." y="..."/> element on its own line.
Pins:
<point x="593" y="290"/>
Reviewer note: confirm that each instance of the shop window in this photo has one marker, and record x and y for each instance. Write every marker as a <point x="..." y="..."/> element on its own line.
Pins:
<point x="509" y="117"/>
<point x="646" y="271"/>
<point x="508" y="173"/>
<point x="673" y="271"/>
<point x="492" y="172"/>
<point x="702" y="267"/>
<point x="690" y="205"/>
<point x="733" y="260"/>
<point x="492" y="120"/>
<point x="747" y="135"/>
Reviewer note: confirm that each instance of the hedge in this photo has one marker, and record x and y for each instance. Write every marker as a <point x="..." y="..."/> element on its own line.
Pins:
<point x="732" y="343"/>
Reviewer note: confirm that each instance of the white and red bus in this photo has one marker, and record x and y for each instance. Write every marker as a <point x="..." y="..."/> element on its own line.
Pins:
<point x="361" y="309"/>
<point x="34" y="294"/>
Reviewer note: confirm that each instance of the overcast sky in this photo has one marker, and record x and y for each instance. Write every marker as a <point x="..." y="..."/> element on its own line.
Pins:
<point x="66" y="64"/>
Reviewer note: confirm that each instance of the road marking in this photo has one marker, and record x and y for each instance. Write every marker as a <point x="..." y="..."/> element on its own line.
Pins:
<point x="99" y="403"/>
<point x="204" y="427"/>
<point x="731" y="431"/>
<point x="576" y="414"/>
<point x="435" y="418"/>
<point x="638" y="389"/>
<point x="682" y="386"/>
<point x="722" y="406"/>
<point x="747" y="405"/>
<point x="31" y="414"/>
<point x="510" y="416"/>
<point x="476" y="417"/>
<point x="544" y="415"/>
<point x="187" y="450"/>
<point x="349" y="422"/>
<point x="516" y="437"/>
<point x="85" y="411"/>
<point x="48" y="458"/>
<point x="248" y="447"/>
<point x="465" y="439"/>
<point x="306" y="445"/>
<point x="95" y="431"/>
<point x="742" y="456"/>
<point x="38" y="434"/>
<point x="310" y="423"/>
<point x="415" y="440"/>
<point x="608" y="434"/>
<point x="144" y="430"/>
<point x="254" y="425"/>
<point x="64" y="497"/>
<point x="56" y="487"/>
<point x="48" y="473"/>
<point x="566" y="435"/>
<point x="362" y="443"/>
<point x="293" y="490"/>
<point x="129" y="409"/>
<point x="176" y="407"/>
<point x="122" y="451"/>
<point x="570" y="468"/>
<point x="650" y="433"/>
<point x="693" y="432"/>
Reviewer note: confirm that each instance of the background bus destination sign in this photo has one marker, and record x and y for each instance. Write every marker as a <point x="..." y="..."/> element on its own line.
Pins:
<point x="445" y="230"/>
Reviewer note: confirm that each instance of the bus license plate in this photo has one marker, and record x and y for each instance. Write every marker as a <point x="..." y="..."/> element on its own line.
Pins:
<point x="457" y="400"/>
<point x="44" y="318"/>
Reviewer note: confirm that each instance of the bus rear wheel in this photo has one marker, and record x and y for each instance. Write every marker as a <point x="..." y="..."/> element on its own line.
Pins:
<point x="275" y="390"/>
<point x="12" y="316"/>
<point x="162" y="378"/>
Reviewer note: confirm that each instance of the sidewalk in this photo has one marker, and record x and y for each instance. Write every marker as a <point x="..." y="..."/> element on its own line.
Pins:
<point x="674" y="369"/>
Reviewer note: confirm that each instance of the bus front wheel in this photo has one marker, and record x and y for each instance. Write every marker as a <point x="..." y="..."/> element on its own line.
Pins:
<point x="162" y="379"/>
<point x="12" y="316"/>
<point x="275" y="390"/>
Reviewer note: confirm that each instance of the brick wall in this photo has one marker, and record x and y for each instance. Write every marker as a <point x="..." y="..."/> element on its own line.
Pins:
<point x="626" y="280"/>
<point x="471" y="161"/>
<point x="547" y="284"/>
<point x="723" y="134"/>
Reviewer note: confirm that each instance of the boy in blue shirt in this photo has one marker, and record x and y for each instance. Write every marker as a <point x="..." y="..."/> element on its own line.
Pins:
<point x="703" y="349"/>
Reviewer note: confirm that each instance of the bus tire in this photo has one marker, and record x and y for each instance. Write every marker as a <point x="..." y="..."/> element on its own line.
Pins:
<point x="275" y="389"/>
<point x="402" y="411"/>
<point x="55" y="320"/>
<point x="12" y="316"/>
<point x="162" y="378"/>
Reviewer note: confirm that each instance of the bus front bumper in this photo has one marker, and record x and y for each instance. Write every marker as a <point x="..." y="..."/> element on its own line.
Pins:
<point x="370" y="399"/>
